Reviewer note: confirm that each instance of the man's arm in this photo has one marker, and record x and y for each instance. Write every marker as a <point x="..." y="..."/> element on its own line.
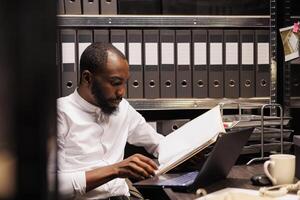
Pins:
<point x="136" y="166"/>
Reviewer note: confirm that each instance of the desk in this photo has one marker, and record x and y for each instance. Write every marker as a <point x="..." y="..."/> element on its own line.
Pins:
<point x="239" y="176"/>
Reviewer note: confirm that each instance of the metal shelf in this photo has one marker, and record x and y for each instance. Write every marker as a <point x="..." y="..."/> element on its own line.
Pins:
<point x="188" y="104"/>
<point x="222" y="21"/>
<point x="294" y="102"/>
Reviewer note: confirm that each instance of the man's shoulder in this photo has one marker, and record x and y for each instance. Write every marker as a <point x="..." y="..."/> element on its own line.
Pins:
<point x="124" y="104"/>
<point x="63" y="102"/>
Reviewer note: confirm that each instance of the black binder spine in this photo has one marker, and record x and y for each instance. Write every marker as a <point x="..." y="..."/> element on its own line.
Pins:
<point x="199" y="69"/>
<point x="232" y="68"/>
<point x="216" y="74"/>
<point x="183" y="68"/>
<point x="90" y="7"/>
<point x="69" y="61"/>
<point x="73" y="7"/>
<point x="167" y="64"/>
<point x="263" y="71"/>
<point x="247" y="72"/>
<point x="151" y="63"/>
<point x="118" y="39"/>
<point x="136" y="81"/>
<point x="101" y="35"/>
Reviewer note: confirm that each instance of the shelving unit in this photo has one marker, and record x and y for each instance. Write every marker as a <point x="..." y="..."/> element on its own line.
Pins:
<point x="146" y="21"/>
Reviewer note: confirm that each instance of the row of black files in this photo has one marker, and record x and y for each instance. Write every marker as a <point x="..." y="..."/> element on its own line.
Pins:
<point x="165" y="7"/>
<point x="181" y="63"/>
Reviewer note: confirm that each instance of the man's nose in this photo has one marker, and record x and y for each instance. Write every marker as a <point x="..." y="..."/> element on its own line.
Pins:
<point x="121" y="91"/>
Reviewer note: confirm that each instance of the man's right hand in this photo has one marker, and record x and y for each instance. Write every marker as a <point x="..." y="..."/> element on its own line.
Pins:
<point x="136" y="167"/>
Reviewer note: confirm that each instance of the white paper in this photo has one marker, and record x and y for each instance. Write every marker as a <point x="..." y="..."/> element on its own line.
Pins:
<point x="290" y="41"/>
<point x="216" y="53"/>
<point x="151" y="54"/>
<point x="68" y="52"/>
<point x="263" y="53"/>
<point x="243" y="194"/>
<point x="247" y="53"/>
<point x="183" y="54"/>
<point x="120" y="46"/>
<point x="135" y="53"/>
<point x="231" y="51"/>
<point x="200" y="53"/>
<point x="167" y="53"/>
<point x="190" y="136"/>
<point x="82" y="47"/>
<point x="153" y="125"/>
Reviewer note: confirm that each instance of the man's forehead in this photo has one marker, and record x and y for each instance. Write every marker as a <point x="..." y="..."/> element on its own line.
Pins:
<point x="115" y="64"/>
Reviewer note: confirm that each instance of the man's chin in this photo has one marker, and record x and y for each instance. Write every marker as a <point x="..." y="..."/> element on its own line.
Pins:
<point x="110" y="110"/>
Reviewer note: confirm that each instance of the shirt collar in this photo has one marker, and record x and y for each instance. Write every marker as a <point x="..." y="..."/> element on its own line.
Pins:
<point x="88" y="107"/>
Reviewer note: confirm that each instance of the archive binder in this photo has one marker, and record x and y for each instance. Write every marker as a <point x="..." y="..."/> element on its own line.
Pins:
<point x="68" y="61"/>
<point x="84" y="39"/>
<point x="58" y="62"/>
<point x="167" y="64"/>
<point x="165" y="127"/>
<point x="90" y="7"/>
<point x="231" y="68"/>
<point x="73" y="7"/>
<point x="216" y="80"/>
<point x="247" y="71"/>
<point x="199" y="69"/>
<point x="109" y="7"/>
<point x="101" y="35"/>
<point x="118" y="39"/>
<point x="60" y="7"/>
<point x="183" y="67"/>
<point x="262" y="63"/>
<point x="135" y="82"/>
<point x="151" y="68"/>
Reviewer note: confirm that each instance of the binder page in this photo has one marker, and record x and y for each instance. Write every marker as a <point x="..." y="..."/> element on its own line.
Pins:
<point x="167" y="53"/>
<point x="231" y="53"/>
<point x="216" y="54"/>
<point x="68" y="52"/>
<point x="120" y="46"/>
<point x="200" y="53"/>
<point x="82" y="47"/>
<point x="151" y="53"/>
<point x="135" y="53"/>
<point x="183" y="53"/>
<point x="191" y="135"/>
<point x="247" y="54"/>
<point x="263" y="55"/>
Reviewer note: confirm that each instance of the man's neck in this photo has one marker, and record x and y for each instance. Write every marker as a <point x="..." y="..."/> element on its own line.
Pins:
<point x="85" y="94"/>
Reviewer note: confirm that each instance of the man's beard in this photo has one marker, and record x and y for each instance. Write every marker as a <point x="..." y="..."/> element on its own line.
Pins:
<point x="101" y="101"/>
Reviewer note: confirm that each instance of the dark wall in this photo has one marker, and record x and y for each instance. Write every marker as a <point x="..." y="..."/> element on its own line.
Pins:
<point x="28" y="67"/>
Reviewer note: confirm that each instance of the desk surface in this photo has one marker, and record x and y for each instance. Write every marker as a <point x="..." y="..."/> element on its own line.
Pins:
<point x="239" y="176"/>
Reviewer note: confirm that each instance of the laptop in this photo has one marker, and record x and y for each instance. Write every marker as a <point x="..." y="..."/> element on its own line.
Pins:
<point x="216" y="167"/>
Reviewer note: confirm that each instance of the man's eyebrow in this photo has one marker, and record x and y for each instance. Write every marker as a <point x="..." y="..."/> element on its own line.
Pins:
<point x="115" y="78"/>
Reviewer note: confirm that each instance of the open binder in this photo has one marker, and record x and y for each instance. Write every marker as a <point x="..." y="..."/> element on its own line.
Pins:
<point x="189" y="139"/>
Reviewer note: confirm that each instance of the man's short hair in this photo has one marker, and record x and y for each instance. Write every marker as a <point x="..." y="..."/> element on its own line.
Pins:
<point x="94" y="57"/>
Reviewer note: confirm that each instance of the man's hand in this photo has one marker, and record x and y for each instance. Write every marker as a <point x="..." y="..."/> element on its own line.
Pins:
<point x="136" y="166"/>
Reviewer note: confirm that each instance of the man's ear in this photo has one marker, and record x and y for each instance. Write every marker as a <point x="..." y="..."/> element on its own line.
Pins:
<point x="86" y="77"/>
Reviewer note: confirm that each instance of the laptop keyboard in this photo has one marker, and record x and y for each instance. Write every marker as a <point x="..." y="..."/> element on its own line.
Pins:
<point x="184" y="179"/>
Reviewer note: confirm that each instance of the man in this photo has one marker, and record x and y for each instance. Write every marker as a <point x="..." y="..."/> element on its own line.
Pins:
<point x="94" y="124"/>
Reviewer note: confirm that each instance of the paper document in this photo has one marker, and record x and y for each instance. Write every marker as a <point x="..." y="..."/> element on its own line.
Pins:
<point x="189" y="139"/>
<point x="290" y="41"/>
<point x="243" y="194"/>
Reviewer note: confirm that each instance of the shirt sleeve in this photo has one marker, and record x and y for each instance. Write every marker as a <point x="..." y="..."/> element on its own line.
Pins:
<point x="70" y="184"/>
<point x="141" y="133"/>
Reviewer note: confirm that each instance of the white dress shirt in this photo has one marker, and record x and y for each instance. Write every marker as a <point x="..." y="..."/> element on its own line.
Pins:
<point x="88" y="139"/>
